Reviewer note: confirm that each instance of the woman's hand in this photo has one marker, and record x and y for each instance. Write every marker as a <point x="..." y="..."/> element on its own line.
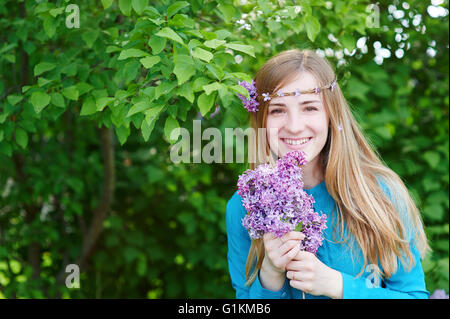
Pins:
<point x="307" y="273"/>
<point x="280" y="251"/>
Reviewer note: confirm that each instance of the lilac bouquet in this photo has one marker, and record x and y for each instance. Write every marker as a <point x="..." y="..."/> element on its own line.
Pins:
<point x="276" y="202"/>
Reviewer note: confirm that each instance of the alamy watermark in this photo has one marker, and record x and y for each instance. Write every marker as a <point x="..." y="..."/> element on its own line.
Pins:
<point x="181" y="151"/>
<point x="73" y="19"/>
<point x="73" y="279"/>
<point x="373" y="279"/>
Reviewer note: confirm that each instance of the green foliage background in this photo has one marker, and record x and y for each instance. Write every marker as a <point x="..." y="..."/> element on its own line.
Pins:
<point x="86" y="115"/>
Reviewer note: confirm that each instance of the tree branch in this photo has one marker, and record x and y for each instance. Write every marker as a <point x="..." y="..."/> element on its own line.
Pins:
<point x="96" y="225"/>
<point x="32" y="210"/>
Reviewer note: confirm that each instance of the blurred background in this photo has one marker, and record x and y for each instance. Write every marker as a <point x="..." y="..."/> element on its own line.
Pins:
<point x="91" y="90"/>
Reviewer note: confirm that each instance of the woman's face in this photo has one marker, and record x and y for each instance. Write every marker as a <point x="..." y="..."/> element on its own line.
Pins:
<point x="301" y="123"/>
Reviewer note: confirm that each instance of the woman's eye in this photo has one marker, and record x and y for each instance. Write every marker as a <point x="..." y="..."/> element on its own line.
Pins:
<point x="311" y="108"/>
<point x="276" y="111"/>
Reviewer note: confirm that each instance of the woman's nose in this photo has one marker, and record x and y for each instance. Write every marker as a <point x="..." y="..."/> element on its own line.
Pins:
<point x="295" y="123"/>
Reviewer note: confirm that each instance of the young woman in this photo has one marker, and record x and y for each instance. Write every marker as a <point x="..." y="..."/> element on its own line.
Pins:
<point x="374" y="241"/>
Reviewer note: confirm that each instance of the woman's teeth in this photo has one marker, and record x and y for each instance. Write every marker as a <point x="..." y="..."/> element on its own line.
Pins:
<point x="297" y="142"/>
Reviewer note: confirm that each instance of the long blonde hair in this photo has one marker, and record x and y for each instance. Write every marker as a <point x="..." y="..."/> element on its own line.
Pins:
<point x="352" y="170"/>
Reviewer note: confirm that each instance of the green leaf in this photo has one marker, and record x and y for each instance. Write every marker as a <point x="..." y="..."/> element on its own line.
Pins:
<point x="170" y="125"/>
<point x="383" y="132"/>
<point x="131" y="53"/>
<point x="70" y="92"/>
<point x="432" y="158"/>
<point x="201" y="54"/>
<point x="122" y="133"/>
<point x="150" y="61"/>
<point x="357" y="88"/>
<point x="152" y="113"/>
<point x="164" y="88"/>
<point x="107" y="3"/>
<point x="184" y="68"/>
<point x="147" y="129"/>
<point x="214" y="43"/>
<point x="131" y="70"/>
<point x="125" y="7"/>
<point x="174" y="8"/>
<point x="240" y="89"/>
<point x="139" y="5"/>
<point x="83" y="87"/>
<point x="49" y="26"/>
<point x="157" y="44"/>
<point x="25" y="88"/>
<point x="182" y="20"/>
<point x="138" y="107"/>
<point x="199" y="83"/>
<point x="205" y="102"/>
<point x="215" y="71"/>
<point x="21" y="137"/>
<point x="90" y="36"/>
<point x="312" y="27"/>
<point x="248" y="49"/>
<point x="171" y="35"/>
<point x="57" y="99"/>
<point x="6" y="148"/>
<point x="227" y="12"/>
<point x="212" y="87"/>
<point x="88" y="107"/>
<point x="102" y="102"/>
<point x="39" y="100"/>
<point x="225" y="96"/>
<point x="112" y="48"/>
<point x="141" y="267"/>
<point x="434" y="212"/>
<point x="43" y="67"/>
<point x="57" y="11"/>
<point x="43" y="81"/>
<point x="14" y="99"/>
<point x="299" y="227"/>
<point x="186" y="90"/>
<point x="9" y="57"/>
<point x="348" y="42"/>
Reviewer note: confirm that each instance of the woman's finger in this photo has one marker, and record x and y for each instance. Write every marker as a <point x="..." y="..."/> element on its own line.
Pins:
<point x="292" y="235"/>
<point x="296" y="265"/>
<point x="297" y="275"/>
<point x="288" y="246"/>
<point x="290" y="254"/>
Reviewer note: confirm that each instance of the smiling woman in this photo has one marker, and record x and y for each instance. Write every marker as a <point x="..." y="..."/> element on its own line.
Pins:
<point x="370" y="214"/>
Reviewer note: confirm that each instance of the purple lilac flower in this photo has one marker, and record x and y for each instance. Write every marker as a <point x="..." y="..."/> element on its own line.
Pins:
<point x="276" y="202"/>
<point x="250" y="104"/>
<point x="439" y="294"/>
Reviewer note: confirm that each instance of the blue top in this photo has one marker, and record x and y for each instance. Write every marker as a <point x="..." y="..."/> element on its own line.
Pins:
<point x="401" y="285"/>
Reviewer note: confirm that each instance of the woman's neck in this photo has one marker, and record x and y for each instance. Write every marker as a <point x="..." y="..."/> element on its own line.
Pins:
<point x="312" y="175"/>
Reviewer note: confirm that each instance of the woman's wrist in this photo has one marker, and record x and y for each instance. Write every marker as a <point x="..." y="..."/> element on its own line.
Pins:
<point x="336" y="284"/>
<point x="270" y="278"/>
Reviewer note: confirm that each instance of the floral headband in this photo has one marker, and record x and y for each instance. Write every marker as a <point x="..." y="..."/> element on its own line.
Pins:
<point x="251" y="104"/>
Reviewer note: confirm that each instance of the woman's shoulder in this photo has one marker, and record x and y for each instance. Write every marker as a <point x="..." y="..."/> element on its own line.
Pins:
<point x="235" y="202"/>
<point x="235" y="208"/>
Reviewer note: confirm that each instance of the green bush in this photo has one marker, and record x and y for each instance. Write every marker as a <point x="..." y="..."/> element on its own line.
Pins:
<point x="86" y="115"/>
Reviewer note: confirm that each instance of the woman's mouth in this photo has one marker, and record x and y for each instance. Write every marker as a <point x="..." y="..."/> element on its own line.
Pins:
<point x="296" y="143"/>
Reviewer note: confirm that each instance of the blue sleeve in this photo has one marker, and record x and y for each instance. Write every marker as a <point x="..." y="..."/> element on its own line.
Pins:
<point x="403" y="284"/>
<point x="238" y="247"/>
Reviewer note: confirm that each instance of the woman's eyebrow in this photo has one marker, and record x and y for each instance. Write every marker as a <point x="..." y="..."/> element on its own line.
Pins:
<point x="302" y="103"/>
